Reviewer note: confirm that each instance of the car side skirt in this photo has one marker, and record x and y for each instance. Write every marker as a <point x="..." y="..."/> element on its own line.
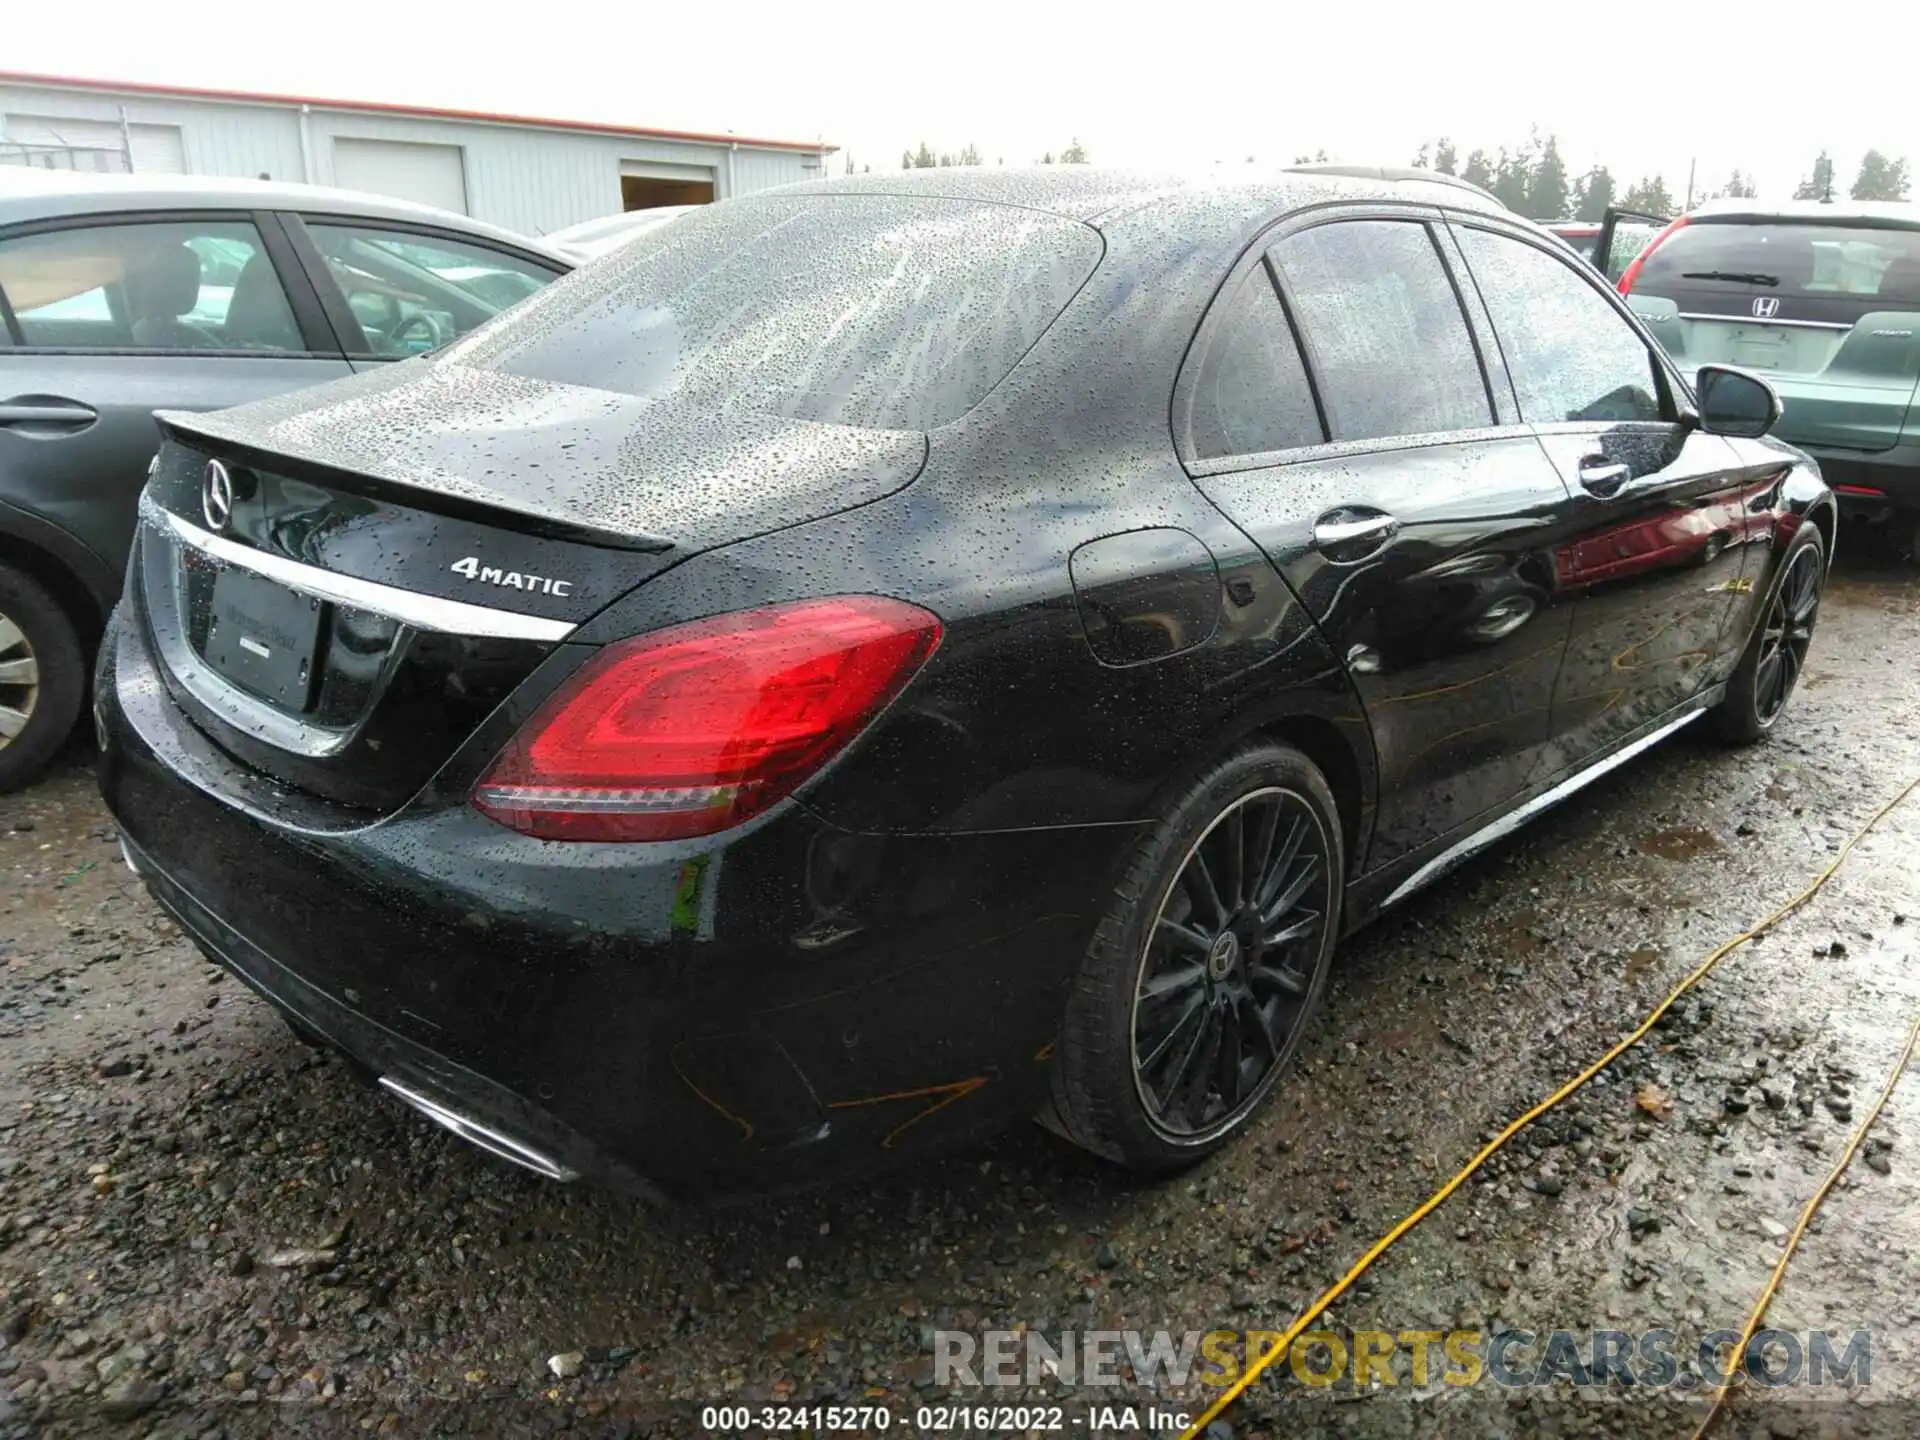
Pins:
<point x="1388" y="887"/>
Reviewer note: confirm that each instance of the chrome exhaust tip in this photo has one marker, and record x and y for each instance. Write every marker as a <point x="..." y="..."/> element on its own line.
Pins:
<point x="475" y="1133"/>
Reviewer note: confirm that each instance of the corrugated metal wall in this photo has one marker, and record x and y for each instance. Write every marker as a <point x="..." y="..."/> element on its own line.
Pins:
<point x="526" y="178"/>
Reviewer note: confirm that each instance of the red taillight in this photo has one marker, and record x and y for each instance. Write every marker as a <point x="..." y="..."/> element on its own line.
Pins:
<point x="1632" y="272"/>
<point x="694" y="728"/>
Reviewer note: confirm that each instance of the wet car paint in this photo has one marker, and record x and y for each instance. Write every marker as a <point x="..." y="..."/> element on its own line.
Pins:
<point x="876" y="968"/>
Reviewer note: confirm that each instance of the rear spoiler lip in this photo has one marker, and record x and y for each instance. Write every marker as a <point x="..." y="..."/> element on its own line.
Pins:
<point x="178" y="425"/>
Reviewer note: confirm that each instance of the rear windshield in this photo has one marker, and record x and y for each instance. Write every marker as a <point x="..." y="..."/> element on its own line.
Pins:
<point x="1818" y="261"/>
<point x="870" y="310"/>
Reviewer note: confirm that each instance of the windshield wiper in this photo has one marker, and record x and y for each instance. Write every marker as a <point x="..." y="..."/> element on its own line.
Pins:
<point x="1743" y="277"/>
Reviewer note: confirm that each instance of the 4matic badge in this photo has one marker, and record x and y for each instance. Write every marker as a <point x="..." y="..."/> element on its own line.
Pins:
<point x="470" y="568"/>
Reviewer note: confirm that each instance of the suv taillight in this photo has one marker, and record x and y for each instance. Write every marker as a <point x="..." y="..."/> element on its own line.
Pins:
<point x="1632" y="272"/>
<point x="691" y="729"/>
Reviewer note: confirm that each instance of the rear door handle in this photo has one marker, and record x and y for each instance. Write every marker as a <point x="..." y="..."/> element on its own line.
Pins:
<point x="1349" y="534"/>
<point x="1603" y="477"/>
<point x="46" y="414"/>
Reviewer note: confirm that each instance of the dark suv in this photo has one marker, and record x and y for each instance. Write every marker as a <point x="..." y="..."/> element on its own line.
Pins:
<point x="120" y="295"/>
<point x="1823" y="300"/>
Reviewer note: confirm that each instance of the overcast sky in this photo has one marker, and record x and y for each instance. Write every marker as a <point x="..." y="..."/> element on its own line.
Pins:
<point x="1641" y="87"/>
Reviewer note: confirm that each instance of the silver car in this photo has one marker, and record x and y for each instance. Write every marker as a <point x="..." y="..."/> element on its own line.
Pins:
<point x="121" y="295"/>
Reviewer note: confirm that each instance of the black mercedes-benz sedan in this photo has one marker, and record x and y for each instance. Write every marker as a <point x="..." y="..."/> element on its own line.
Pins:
<point x="878" y="659"/>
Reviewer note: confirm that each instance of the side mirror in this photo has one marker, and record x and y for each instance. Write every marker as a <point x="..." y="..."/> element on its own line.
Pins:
<point x="1735" y="402"/>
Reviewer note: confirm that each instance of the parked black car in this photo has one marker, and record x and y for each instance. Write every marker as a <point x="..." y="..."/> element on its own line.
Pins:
<point x="124" y="294"/>
<point x="885" y="657"/>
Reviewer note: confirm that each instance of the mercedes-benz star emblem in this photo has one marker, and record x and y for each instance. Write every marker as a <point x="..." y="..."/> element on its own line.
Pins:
<point x="216" y="495"/>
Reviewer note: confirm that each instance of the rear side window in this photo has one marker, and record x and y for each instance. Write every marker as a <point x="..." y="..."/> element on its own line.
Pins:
<point x="1389" y="344"/>
<point x="413" y="292"/>
<point x="872" y="310"/>
<point x="1815" y="262"/>
<point x="1571" y="355"/>
<point x="1252" y="393"/>
<point x="175" y="285"/>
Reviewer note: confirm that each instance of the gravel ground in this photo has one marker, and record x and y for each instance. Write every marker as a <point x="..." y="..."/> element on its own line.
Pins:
<point x="207" y="1229"/>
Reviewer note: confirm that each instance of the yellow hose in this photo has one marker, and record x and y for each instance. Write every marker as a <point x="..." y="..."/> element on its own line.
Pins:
<point x="1380" y="1247"/>
<point x="1806" y="1216"/>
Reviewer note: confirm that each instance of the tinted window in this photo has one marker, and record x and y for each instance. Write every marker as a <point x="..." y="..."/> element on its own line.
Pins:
<point x="200" y="285"/>
<point x="865" y="310"/>
<point x="1581" y="244"/>
<point x="1252" y="393"/>
<point x="1571" y="354"/>
<point x="1389" y="343"/>
<point x="413" y="292"/>
<point x="1817" y="261"/>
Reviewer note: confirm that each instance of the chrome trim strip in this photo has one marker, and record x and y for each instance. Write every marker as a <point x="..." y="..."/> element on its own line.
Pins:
<point x="1546" y="800"/>
<point x="1753" y="320"/>
<point x="474" y="1133"/>
<point x="423" y="612"/>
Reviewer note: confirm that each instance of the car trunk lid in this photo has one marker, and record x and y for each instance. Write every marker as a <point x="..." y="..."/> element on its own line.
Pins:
<point x="342" y="588"/>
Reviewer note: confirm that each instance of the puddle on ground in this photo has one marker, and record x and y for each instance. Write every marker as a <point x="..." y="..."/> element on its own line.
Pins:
<point x="1640" y="961"/>
<point x="1680" y="842"/>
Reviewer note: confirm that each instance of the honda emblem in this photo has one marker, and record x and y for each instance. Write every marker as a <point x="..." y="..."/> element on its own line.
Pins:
<point x="1766" y="307"/>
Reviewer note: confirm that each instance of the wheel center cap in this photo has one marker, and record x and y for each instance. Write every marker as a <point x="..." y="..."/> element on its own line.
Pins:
<point x="1223" y="955"/>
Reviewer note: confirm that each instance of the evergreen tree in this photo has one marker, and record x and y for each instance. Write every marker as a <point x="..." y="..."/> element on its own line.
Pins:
<point x="1650" y="197"/>
<point x="1819" y="185"/>
<point x="1880" y="178"/>
<point x="1593" y="194"/>
<point x="1547" y="192"/>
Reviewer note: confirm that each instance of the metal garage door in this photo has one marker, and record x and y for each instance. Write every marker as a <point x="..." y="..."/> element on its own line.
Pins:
<point x="426" y="174"/>
<point x="157" y="149"/>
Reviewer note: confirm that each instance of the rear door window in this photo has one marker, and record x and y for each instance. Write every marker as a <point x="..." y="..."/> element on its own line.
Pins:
<point x="1252" y="395"/>
<point x="1389" y="344"/>
<point x="203" y="285"/>
<point x="413" y="291"/>
<point x="1571" y="354"/>
<point x="883" y="311"/>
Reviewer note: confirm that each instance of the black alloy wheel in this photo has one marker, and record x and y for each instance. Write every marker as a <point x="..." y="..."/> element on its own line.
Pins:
<point x="1199" y="980"/>
<point x="1229" y="966"/>
<point x="1776" y="653"/>
<point x="1786" y="633"/>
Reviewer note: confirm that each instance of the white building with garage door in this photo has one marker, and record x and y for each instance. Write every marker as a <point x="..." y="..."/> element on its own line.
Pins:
<point x="528" y="174"/>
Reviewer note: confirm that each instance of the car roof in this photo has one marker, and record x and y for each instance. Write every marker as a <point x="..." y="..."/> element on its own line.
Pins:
<point x="1088" y="192"/>
<point x="1832" y="212"/>
<point x="32" y="193"/>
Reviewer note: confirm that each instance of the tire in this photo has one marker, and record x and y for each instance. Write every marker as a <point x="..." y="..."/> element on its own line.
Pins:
<point x="1758" y="691"/>
<point x="43" y="677"/>
<point x="1115" y="1078"/>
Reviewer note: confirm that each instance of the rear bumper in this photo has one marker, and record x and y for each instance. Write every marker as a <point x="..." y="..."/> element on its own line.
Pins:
<point x="468" y="1102"/>
<point x="780" y="1006"/>
<point x="1877" y="482"/>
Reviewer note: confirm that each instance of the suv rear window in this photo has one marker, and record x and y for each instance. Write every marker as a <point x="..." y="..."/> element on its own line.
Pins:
<point x="871" y="310"/>
<point x="1823" y="261"/>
